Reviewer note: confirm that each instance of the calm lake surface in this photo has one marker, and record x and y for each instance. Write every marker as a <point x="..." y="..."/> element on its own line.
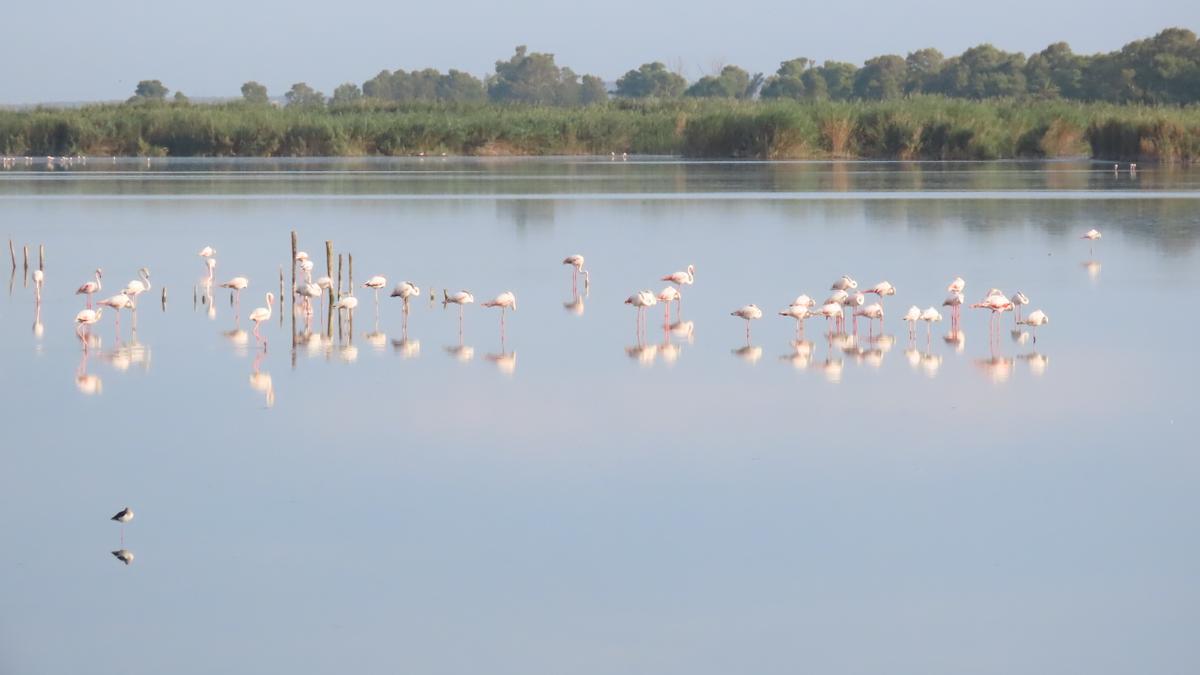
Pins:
<point x="575" y="500"/>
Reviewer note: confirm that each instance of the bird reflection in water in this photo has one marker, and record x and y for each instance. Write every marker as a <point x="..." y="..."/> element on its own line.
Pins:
<point x="239" y="338"/>
<point x="1092" y="267"/>
<point x="801" y="355"/>
<point x="260" y="381"/>
<point x="748" y="353"/>
<point x="832" y="369"/>
<point x="87" y="383"/>
<point x="38" y="328"/>
<point x="998" y="368"/>
<point x="1019" y="336"/>
<point x="1037" y="362"/>
<point x="684" y="330"/>
<point x="643" y="353"/>
<point x="315" y="344"/>
<point x="574" y="305"/>
<point x="957" y="339"/>
<point x="377" y="338"/>
<point x="124" y="555"/>
<point x="505" y="362"/>
<point x="930" y="363"/>
<point x="460" y="352"/>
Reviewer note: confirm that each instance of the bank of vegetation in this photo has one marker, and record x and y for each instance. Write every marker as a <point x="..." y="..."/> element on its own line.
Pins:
<point x="1140" y="103"/>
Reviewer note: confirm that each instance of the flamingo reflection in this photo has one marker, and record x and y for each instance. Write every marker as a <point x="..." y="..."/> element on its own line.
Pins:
<point x="86" y="383"/>
<point x="801" y="355"/>
<point x="506" y="362"/>
<point x="260" y="381"/>
<point x="124" y="555"/>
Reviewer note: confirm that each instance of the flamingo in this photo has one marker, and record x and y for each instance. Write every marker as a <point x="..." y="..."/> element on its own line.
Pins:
<point x="138" y="286"/>
<point x="839" y="297"/>
<point x="803" y="300"/>
<point x="954" y="301"/>
<point x="375" y="283"/>
<point x="309" y="291"/>
<point x="912" y="316"/>
<point x="576" y="261"/>
<point x="667" y="296"/>
<point x="929" y="316"/>
<point x="91" y="287"/>
<point x="640" y="301"/>
<point x="750" y="313"/>
<point x="881" y="289"/>
<point x="1036" y="318"/>
<point x="681" y="279"/>
<point x="504" y="301"/>
<point x="207" y="252"/>
<point x="957" y="285"/>
<point x="237" y="285"/>
<point x="347" y="303"/>
<point x="1018" y="299"/>
<point x="854" y="302"/>
<point x="998" y="304"/>
<point x="117" y="303"/>
<point x="39" y="277"/>
<point x="832" y="311"/>
<point x="306" y="266"/>
<point x="325" y="283"/>
<point x="301" y="256"/>
<point x="461" y="298"/>
<point x="86" y="318"/>
<point x="261" y="314"/>
<point x="123" y="516"/>
<point x="872" y="311"/>
<point x="799" y="313"/>
<point x="844" y="284"/>
<point x="406" y="290"/>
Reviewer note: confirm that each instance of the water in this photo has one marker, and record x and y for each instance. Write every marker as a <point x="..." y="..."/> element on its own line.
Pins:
<point x="574" y="500"/>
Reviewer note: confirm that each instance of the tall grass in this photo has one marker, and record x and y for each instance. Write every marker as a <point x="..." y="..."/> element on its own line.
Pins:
<point x="915" y="128"/>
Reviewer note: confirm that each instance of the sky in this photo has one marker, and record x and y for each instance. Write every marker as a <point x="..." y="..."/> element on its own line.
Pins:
<point x="78" y="50"/>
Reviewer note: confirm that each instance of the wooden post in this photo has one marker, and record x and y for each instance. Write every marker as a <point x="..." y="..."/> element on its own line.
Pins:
<point x="164" y="298"/>
<point x="339" y="314"/>
<point x="42" y="257"/>
<point x="350" y="265"/>
<point x="25" y="248"/>
<point x="329" y="273"/>
<point x="292" y="296"/>
<point x="12" y="253"/>
<point x="281" y="295"/>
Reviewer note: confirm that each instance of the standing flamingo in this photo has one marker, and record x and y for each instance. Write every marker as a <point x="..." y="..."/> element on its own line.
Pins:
<point x="375" y="283"/>
<point x="207" y="252"/>
<point x="261" y="314"/>
<point x="854" y="302"/>
<point x="640" y="301"/>
<point x="406" y="290"/>
<point x="998" y="304"/>
<point x="955" y="302"/>
<point x="461" y="298"/>
<point x="505" y="301"/>
<point x="1092" y="236"/>
<point x="1036" y="318"/>
<point x="956" y="286"/>
<point x="86" y="318"/>
<point x="237" y="285"/>
<point x="844" y="284"/>
<point x="123" y="516"/>
<point x="872" y="312"/>
<point x="138" y="286"/>
<point x="929" y="316"/>
<point x="882" y="289"/>
<point x="667" y="296"/>
<point x="117" y="303"/>
<point x="91" y="287"/>
<point x="681" y="279"/>
<point x="748" y="313"/>
<point x="803" y="300"/>
<point x="308" y="291"/>
<point x="576" y="262"/>
<point x="1018" y="299"/>
<point x="833" y="312"/>
<point x="799" y="313"/>
<point x="912" y="316"/>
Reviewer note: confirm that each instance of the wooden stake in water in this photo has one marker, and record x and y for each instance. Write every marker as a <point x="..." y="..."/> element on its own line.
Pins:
<point x="42" y="257"/>
<point x="339" y="296"/>
<point x="350" y="265"/>
<point x="12" y="253"/>
<point x="329" y="273"/>
<point x="292" y="297"/>
<point x="25" y="248"/>
<point x="164" y="298"/>
<point x="281" y="295"/>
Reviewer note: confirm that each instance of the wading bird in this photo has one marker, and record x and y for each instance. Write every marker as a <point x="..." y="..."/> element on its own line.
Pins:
<point x="912" y="316"/>
<point x="462" y="299"/>
<point x="882" y="289"/>
<point x="138" y="286"/>
<point x="123" y="516"/>
<point x="1036" y="318"/>
<point x="405" y="290"/>
<point x="667" y="296"/>
<point x="261" y="314"/>
<point x="1018" y="300"/>
<point x="929" y="316"/>
<point x="91" y="287"/>
<point x="576" y="262"/>
<point x="117" y="303"/>
<point x="748" y="313"/>
<point x="640" y="301"/>
<point x="799" y="313"/>
<point x="505" y="301"/>
<point x="237" y="285"/>
<point x="86" y="318"/>
<point x="844" y="284"/>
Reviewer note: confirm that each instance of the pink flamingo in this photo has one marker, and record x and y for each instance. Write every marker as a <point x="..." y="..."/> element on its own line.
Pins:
<point x="261" y="314"/>
<point x="576" y="262"/>
<point x="505" y="301"/>
<point x="91" y="287"/>
<point x="749" y="313"/>
<point x="640" y="301"/>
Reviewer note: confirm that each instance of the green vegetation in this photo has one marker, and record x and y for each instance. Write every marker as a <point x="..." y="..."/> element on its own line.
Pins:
<point x="1139" y="103"/>
<point x="920" y="127"/>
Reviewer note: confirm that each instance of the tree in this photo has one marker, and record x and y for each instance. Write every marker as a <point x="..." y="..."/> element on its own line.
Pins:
<point x="650" y="80"/>
<point x="181" y="98"/>
<point x="839" y="79"/>
<point x="345" y="94"/>
<point x="1055" y="71"/>
<point x="533" y="78"/>
<point x="732" y="82"/>
<point x="459" y="86"/>
<point x="253" y="92"/>
<point x="982" y="72"/>
<point x="922" y="66"/>
<point x="149" y="90"/>
<point x="592" y="90"/>
<point x="881" y="78"/>
<point x="303" y="96"/>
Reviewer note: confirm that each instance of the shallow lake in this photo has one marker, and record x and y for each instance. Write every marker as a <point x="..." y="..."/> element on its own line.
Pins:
<point x="576" y="497"/>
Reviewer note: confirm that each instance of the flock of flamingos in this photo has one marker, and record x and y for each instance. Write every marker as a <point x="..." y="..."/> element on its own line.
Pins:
<point x="846" y="303"/>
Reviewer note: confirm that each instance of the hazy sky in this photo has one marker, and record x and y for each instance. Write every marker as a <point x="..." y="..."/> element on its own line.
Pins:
<point x="82" y="50"/>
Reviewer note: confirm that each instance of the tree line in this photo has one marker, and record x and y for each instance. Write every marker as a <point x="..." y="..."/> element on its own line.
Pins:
<point x="1163" y="69"/>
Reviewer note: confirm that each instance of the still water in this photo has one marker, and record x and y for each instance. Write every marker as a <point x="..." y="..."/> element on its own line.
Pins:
<point x="574" y="498"/>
